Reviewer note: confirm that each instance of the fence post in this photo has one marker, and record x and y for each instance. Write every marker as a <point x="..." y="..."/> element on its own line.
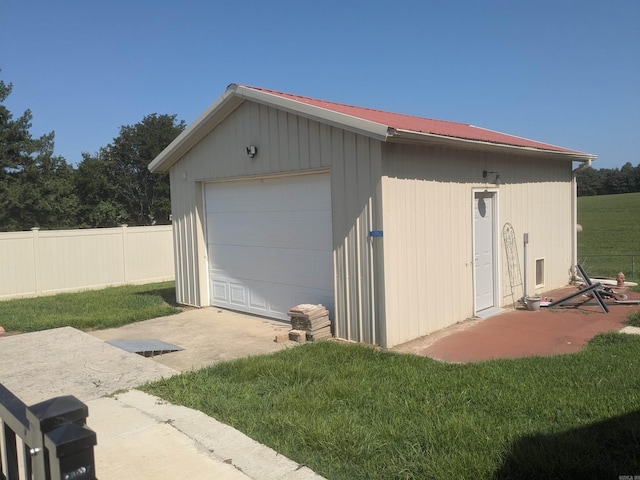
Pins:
<point x="124" y="253"/>
<point x="65" y="444"/>
<point x="36" y="259"/>
<point x="57" y="444"/>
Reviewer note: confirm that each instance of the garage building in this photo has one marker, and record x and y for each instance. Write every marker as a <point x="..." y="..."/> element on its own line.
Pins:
<point x="395" y="223"/>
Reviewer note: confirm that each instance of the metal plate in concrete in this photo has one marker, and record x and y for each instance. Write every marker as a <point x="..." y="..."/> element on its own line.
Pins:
<point x="145" y="347"/>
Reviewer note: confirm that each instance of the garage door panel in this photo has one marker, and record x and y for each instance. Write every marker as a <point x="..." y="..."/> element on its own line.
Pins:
<point x="257" y="301"/>
<point x="285" y="266"/>
<point x="237" y="294"/>
<point x="270" y="244"/>
<point x="309" y="196"/>
<point x="273" y="229"/>
<point x="297" y="295"/>
<point x="270" y="195"/>
<point x="252" y="295"/>
<point x="220" y="291"/>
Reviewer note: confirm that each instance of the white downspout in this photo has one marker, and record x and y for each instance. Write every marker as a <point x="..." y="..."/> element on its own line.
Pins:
<point x="574" y="218"/>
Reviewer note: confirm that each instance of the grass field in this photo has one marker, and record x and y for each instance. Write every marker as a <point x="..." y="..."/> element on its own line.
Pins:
<point x="353" y="412"/>
<point x="611" y="225"/>
<point x="89" y="310"/>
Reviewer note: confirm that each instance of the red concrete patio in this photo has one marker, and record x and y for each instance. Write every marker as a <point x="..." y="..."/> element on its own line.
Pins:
<point x="517" y="333"/>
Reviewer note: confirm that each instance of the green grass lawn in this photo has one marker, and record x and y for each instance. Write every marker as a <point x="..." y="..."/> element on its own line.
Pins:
<point x="353" y="412"/>
<point x="91" y="309"/>
<point x="610" y="226"/>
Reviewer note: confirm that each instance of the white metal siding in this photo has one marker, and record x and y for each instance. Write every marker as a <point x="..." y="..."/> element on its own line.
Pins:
<point x="428" y="235"/>
<point x="427" y="199"/>
<point x="538" y="202"/>
<point x="270" y="244"/>
<point x="355" y="185"/>
<point x="289" y="143"/>
<point x="189" y="256"/>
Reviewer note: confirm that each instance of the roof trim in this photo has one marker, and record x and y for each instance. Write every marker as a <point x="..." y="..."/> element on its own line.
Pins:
<point x="236" y="94"/>
<point x="313" y="112"/>
<point x="432" y="138"/>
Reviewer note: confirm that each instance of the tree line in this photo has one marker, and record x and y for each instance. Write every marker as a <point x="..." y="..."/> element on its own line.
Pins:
<point x="608" y="181"/>
<point x="113" y="186"/>
<point x="108" y="188"/>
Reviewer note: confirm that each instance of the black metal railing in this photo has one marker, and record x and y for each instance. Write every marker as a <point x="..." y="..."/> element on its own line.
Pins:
<point x="46" y="441"/>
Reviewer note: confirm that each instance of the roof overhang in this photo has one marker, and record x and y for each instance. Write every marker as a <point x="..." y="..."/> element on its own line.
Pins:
<point x="235" y="95"/>
<point x="313" y="112"/>
<point x="407" y="136"/>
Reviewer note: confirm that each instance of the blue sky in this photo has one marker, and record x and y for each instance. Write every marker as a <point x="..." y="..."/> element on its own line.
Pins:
<point x="565" y="72"/>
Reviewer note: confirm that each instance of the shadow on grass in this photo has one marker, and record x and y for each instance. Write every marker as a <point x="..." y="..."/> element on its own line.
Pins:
<point x="168" y="295"/>
<point x="607" y="449"/>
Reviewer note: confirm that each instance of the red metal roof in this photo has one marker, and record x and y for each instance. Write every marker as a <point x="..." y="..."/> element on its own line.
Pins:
<point x="422" y="125"/>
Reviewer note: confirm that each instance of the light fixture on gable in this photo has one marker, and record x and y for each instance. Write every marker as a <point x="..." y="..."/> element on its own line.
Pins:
<point x="252" y="151"/>
<point x="496" y="181"/>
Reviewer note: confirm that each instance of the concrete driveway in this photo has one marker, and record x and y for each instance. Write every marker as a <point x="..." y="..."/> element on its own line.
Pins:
<point x="208" y="336"/>
<point x="141" y="436"/>
<point x="65" y="361"/>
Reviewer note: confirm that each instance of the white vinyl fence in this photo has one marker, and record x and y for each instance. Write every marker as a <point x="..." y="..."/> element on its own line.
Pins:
<point x="43" y="262"/>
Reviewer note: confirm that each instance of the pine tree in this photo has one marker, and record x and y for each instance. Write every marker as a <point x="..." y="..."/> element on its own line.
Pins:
<point x="36" y="187"/>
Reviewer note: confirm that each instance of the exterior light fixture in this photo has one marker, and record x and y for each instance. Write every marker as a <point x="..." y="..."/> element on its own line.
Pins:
<point x="497" y="181"/>
<point x="252" y="151"/>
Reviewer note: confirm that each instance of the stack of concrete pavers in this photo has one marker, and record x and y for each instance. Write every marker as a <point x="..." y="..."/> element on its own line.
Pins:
<point x="309" y="323"/>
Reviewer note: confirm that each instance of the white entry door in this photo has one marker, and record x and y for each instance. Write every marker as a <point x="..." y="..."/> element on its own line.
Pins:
<point x="270" y="244"/>
<point x="484" y="250"/>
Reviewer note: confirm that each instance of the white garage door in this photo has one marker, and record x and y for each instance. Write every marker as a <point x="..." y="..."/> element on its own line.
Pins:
<point x="270" y="244"/>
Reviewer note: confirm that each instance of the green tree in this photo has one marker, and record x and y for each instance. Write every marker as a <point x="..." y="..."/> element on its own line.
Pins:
<point x="129" y="192"/>
<point x="628" y="173"/>
<point x="98" y="205"/>
<point x="613" y="182"/>
<point x="609" y="181"/>
<point x="36" y="187"/>
<point x="589" y="182"/>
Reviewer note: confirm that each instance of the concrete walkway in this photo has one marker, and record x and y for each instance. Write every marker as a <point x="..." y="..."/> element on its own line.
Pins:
<point x="141" y="436"/>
